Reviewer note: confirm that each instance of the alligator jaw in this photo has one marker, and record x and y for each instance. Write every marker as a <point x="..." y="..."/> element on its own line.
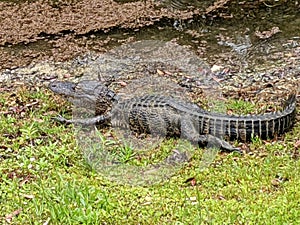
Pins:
<point x="64" y="88"/>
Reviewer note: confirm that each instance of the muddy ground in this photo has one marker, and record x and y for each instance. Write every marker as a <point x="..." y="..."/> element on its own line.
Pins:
<point x="56" y="30"/>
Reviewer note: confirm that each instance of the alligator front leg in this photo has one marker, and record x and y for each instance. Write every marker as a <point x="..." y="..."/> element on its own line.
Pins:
<point x="101" y="119"/>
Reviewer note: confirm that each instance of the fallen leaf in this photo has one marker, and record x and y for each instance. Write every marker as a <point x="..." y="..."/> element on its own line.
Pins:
<point x="193" y="182"/>
<point x="297" y="144"/>
<point x="9" y="217"/>
<point x="160" y="72"/>
<point x="267" y="34"/>
<point x="168" y="72"/>
<point x="123" y="83"/>
<point x="221" y="197"/>
<point x="28" y="196"/>
<point x="275" y="182"/>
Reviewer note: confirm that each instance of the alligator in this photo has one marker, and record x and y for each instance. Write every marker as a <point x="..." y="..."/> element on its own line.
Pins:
<point x="166" y="116"/>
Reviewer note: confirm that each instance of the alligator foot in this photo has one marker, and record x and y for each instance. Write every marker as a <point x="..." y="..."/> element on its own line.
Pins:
<point x="212" y="141"/>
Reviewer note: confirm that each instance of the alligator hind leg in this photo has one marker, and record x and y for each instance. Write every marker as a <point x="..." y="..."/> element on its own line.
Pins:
<point x="189" y="132"/>
<point x="212" y="141"/>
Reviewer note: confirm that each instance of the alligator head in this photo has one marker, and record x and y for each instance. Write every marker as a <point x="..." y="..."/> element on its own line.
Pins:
<point x="89" y="94"/>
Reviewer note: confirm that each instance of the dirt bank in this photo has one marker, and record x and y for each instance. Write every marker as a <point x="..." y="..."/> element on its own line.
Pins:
<point x="59" y="30"/>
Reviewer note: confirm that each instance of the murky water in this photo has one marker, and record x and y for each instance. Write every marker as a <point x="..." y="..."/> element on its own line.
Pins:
<point x="239" y="38"/>
<point x="242" y="36"/>
<point x="248" y="39"/>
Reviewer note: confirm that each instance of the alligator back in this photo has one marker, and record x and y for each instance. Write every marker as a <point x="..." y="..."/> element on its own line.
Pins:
<point x="165" y="115"/>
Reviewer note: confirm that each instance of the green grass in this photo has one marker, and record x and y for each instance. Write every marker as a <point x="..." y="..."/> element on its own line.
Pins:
<point x="44" y="175"/>
<point x="238" y="107"/>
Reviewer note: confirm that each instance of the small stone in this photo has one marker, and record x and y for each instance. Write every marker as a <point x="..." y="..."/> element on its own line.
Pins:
<point x="216" y="68"/>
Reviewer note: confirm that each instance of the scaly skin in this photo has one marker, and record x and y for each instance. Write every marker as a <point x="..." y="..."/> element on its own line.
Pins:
<point x="166" y="116"/>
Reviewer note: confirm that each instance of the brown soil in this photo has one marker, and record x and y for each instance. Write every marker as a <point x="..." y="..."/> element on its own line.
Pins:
<point x="59" y="30"/>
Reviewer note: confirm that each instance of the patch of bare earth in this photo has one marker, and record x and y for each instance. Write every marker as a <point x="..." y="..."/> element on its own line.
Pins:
<point x="58" y="30"/>
<point x="61" y="28"/>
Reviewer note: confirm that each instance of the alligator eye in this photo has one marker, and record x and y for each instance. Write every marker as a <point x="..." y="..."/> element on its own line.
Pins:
<point x="70" y="86"/>
<point x="52" y="85"/>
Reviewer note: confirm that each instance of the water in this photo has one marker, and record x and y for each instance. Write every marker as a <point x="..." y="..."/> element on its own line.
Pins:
<point x="209" y="36"/>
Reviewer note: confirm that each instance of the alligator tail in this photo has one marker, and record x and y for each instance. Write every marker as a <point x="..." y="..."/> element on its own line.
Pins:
<point x="245" y="128"/>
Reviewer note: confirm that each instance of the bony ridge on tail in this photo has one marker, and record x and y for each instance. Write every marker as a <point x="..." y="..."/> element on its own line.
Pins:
<point x="173" y="117"/>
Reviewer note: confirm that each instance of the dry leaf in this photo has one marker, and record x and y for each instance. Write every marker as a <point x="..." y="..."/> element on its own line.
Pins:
<point x="297" y="144"/>
<point x="123" y="83"/>
<point x="160" y="72"/>
<point x="28" y="196"/>
<point x="9" y="217"/>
